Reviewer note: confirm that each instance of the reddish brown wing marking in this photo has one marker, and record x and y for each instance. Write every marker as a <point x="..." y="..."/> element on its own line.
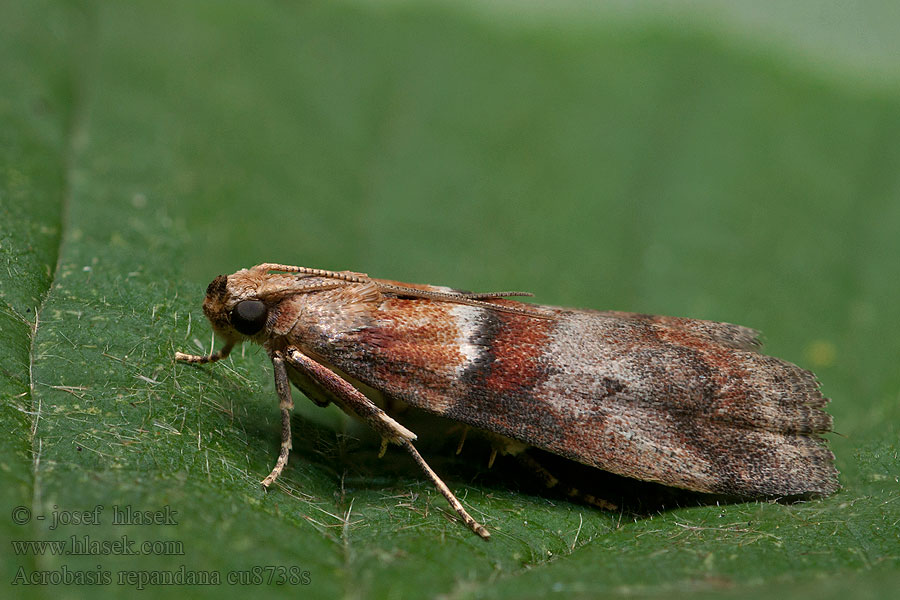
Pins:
<point x="681" y="402"/>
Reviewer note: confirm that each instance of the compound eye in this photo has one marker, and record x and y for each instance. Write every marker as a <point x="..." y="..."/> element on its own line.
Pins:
<point x="249" y="316"/>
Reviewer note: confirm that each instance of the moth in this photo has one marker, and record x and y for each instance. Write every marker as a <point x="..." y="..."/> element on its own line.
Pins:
<point x="683" y="402"/>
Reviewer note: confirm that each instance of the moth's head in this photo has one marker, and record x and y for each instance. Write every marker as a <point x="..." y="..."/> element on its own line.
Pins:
<point x="231" y="312"/>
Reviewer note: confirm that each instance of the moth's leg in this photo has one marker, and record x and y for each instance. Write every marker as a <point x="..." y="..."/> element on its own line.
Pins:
<point x="286" y="404"/>
<point x="355" y="402"/>
<point x="348" y="397"/>
<point x="552" y="481"/>
<point x="462" y="438"/>
<point x="197" y="359"/>
<point x="310" y="388"/>
<point x="443" y="489"/>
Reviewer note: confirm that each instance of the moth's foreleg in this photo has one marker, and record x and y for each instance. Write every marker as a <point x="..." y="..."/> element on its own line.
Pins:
<point x="355" y="402"/>
<point x="198" y="359"/>
<point x="286" y="404"/>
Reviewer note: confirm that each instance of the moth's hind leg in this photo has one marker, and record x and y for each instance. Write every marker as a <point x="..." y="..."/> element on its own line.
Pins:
<point x="286" y="404"/>
<point x="552" y="482"/>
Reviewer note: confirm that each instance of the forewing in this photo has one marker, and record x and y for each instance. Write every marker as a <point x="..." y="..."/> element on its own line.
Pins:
<point x="677" y="401"/>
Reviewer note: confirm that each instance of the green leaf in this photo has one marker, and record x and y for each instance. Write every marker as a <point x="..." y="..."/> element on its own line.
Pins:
<point x="689" y="161"/>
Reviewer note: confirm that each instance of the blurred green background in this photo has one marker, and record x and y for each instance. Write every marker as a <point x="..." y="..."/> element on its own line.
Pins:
<point x="735" y="162"/>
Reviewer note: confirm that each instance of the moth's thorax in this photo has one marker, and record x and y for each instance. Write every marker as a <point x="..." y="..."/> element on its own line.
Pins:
<point x="315" y="317"/>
